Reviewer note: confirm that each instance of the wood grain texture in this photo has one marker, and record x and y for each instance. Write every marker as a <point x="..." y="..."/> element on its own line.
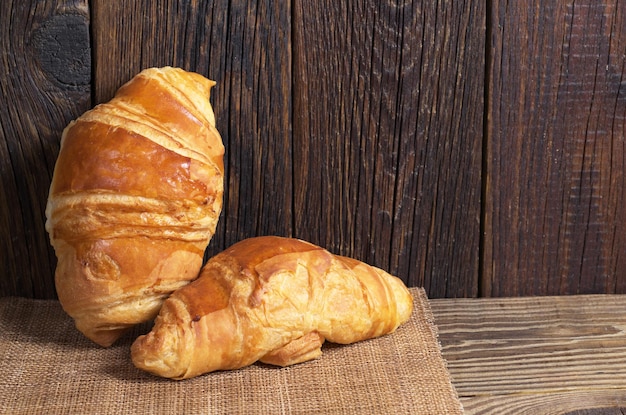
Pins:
<point x="555" y="189"/>
<point x="254" y="110"/>
<point x="388" y="124"/>
<point x="472" y="148"/>
<point x="45" y="68"/>
<point x="387" y="166"/>
<point x="245" y="48"/>
<point x="600" y="402"/>
<point x="535" y="355"/>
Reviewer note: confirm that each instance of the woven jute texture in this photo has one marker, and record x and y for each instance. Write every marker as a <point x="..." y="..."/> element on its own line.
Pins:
<point x="48" y="367"/>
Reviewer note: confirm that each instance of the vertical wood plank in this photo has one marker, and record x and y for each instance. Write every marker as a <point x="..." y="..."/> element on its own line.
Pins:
<point x="555" y="221"/>
<point x="45" y="74"/>
<point x="245" y="47"/>
<point x="388" y="108"/>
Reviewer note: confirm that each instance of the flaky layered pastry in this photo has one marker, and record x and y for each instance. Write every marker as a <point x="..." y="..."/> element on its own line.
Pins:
<point x="270" y="299"/>
<point x="134" y="200"/>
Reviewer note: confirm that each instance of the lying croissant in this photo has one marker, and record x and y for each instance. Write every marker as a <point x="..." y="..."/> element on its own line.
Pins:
<point x="134" y="200"/>
<point x="270" y="299"/>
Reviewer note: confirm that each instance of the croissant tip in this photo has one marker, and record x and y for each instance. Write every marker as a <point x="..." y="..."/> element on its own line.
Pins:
<point x="105" y="338"/>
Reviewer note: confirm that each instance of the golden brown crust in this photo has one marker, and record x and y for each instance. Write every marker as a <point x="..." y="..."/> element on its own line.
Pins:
<point x="270" y="299"/>
<point x="302" y="349"/>
<point x="134" y="200"/>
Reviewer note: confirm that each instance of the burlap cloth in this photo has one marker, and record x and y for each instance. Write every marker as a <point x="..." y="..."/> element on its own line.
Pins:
<point x="49" y="367"/>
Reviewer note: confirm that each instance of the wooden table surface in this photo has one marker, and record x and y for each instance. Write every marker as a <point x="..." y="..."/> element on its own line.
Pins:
<point x="536" y="355"/>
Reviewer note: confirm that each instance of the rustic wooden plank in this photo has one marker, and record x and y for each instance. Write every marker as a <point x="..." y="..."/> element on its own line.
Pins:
<point x="45" y="73"/>
<point x="129" y="36"/>
<point x="554" y="217"/>
<point x="600" y="402"/>
<point x="388" y="102"/>
<point x="245" y="47"/>
<point x="567" y="353"/>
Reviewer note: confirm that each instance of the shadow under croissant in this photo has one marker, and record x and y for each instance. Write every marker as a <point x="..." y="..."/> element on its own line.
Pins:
<point x="124" y="370"/>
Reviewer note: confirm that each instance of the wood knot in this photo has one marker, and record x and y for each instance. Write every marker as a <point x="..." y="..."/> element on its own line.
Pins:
<point x="62" y="48"/>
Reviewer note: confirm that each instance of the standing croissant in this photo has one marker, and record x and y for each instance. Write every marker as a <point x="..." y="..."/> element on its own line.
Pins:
<point x="270" y="299"/>
<point x="134" y="200"/>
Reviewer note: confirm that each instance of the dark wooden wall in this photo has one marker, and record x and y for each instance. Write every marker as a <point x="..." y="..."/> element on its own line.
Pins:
<point x="555" y="197"/>
<point x="470" y="147"/>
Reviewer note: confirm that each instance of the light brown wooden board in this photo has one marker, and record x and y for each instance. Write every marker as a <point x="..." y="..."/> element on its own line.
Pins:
<point x="539" y="354"/>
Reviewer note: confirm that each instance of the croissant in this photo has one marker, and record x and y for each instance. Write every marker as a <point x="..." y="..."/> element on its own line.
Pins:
<point x="134" y="200"/>
<point x="269" y="299"/>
